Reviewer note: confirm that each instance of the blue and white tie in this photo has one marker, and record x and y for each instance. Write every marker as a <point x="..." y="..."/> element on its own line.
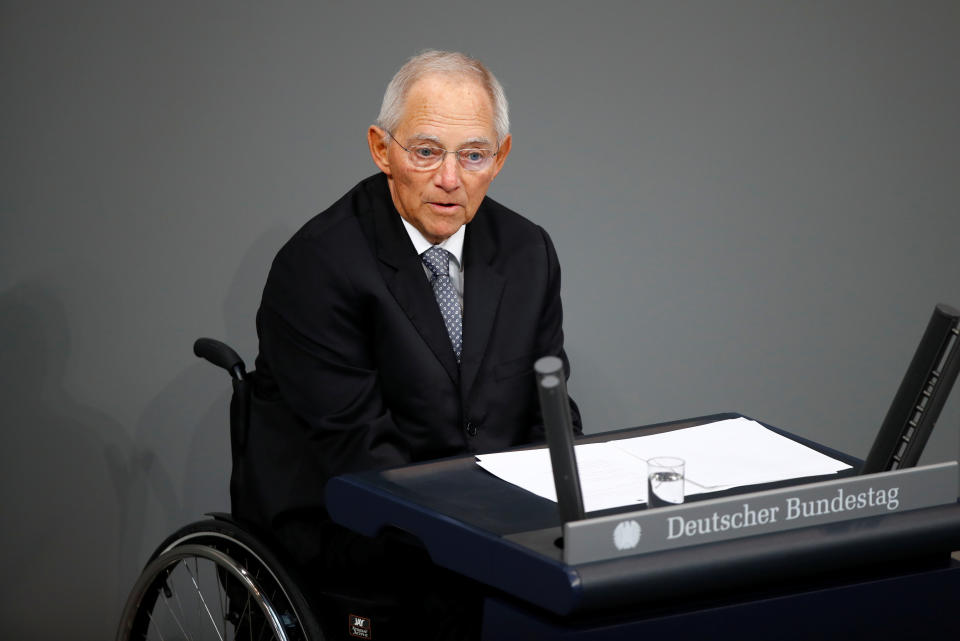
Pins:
<point x="437" y="261"/>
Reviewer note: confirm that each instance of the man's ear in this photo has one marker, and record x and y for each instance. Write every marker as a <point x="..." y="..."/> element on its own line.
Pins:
<point x="377" y="139"/>
<point x="502" y="154"/>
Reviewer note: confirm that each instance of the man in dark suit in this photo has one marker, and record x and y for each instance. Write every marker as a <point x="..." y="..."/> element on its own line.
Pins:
<point x="402" y="323"/>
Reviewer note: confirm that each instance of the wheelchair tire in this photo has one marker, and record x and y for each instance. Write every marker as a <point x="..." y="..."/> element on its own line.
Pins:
<point x="214" y="580"/>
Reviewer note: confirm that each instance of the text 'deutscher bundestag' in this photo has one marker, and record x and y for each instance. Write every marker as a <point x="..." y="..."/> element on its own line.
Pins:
<point x="777" y="510"/>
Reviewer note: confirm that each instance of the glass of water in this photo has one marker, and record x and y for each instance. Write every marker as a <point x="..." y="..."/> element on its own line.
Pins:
<point x="664" y="481"/>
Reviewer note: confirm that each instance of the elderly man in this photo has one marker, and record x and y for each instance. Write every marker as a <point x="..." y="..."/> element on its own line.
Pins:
<point x="402" y="323"/>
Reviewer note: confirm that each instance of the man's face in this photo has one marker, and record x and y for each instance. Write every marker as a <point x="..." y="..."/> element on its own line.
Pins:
<point x="449" y="112"/>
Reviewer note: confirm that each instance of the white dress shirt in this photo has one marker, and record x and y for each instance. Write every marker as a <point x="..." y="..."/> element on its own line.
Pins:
<point x="453" y="244"/>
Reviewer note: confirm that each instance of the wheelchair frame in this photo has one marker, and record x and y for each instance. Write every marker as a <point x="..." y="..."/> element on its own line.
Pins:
<point x="214" y="578"/>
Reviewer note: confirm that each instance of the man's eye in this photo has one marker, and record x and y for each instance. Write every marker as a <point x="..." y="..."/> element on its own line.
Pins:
<point x="425" y="152"/>
<point x="474" y="155"/>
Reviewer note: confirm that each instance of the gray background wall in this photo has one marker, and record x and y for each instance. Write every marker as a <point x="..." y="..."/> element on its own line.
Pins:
<point x="755" y="204"/>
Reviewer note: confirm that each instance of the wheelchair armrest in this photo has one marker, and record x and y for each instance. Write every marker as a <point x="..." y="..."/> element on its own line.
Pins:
<point x="221" y="355"/>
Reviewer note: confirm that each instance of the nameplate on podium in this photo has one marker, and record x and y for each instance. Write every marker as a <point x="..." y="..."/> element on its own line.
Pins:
<point x="789" y="508"/>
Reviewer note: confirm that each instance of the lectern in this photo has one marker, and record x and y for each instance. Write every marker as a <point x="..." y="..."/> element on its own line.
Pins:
<point x="882" y="576"/>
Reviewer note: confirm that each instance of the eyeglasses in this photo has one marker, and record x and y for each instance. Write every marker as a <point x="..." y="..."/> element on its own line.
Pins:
<point x="425" y="157"/>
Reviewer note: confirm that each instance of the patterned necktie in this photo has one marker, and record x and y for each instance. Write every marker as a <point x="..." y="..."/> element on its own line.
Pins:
<point x="437" y="261"/>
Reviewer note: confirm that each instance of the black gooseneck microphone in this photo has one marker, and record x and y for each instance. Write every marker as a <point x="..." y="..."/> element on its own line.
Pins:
<point x="555" y="409"/>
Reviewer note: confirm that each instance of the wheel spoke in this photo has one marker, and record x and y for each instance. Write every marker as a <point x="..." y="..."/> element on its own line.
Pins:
<point x="223" y="583"/>
<point x="203" y="602"/>
<point x="248" y="616"/>
<point x="169" y="592"/>
<point x="157" y="628"/>
<point x="173" y="614"/>
<point x="264" y="629"/>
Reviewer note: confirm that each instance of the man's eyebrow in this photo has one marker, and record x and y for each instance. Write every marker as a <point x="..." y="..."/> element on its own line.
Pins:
<point x="426" y="138"/>
<point x="479" y="140"/>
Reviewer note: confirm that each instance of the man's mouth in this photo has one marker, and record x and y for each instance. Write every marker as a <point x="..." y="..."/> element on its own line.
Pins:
<point x="444" y="206"/>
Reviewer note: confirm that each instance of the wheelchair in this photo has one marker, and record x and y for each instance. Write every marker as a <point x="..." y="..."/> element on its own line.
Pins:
<point x="216" y="578"/>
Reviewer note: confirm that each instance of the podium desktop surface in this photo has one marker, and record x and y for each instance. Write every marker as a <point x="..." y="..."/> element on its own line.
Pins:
<point x="507" y="538"/>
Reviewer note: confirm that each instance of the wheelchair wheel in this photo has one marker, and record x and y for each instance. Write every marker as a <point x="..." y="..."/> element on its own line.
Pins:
<point x="213" y="580"/>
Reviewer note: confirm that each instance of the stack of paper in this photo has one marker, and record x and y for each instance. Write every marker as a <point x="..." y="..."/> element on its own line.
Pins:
<point x="718" y="456"/>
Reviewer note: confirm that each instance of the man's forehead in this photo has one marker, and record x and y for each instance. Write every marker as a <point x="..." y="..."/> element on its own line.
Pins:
<point x="441" y="105"/>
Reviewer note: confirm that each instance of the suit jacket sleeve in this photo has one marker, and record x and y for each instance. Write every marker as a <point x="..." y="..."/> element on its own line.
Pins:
<point x="316" y="353"/>
<point x="550" y="332"/>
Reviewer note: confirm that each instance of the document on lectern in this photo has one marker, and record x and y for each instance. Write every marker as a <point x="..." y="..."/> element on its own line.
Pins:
<point x="718" y="456"/>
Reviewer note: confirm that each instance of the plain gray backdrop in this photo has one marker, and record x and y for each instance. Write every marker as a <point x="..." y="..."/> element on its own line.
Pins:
<point x="754" y="203"/>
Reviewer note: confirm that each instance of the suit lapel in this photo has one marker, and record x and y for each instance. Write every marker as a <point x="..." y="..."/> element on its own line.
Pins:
<point x="483" y="288"/>
<point x="403" y="274"/>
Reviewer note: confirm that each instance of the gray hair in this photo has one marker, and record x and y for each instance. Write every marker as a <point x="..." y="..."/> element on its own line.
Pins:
<point x="445" y="62"/>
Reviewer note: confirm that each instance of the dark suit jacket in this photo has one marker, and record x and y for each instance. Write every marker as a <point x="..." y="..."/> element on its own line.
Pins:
<point x="357" y="362"/>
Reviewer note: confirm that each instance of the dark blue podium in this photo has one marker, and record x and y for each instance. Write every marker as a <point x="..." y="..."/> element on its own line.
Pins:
<point x="878" y="577"/>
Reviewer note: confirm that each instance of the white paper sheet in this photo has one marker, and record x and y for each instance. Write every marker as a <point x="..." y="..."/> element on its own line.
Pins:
<point x="609" y="477"/>
<point x="718" y="456"/>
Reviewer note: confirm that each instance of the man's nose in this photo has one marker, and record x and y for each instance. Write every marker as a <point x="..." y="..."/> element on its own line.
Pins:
<point x="448" y="174"/>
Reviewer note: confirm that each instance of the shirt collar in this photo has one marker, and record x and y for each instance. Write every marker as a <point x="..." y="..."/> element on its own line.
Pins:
<point x="453" y="244"/>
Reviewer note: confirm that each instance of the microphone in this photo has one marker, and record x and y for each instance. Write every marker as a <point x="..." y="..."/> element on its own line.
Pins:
<point x="555" y="409"/>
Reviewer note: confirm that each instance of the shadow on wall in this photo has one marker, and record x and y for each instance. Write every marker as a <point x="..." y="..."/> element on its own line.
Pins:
<point x="84" y="500"/>
<point x="184" y="429"/>
<point x="243" y="297"/>
<point x="66" y="488"/>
